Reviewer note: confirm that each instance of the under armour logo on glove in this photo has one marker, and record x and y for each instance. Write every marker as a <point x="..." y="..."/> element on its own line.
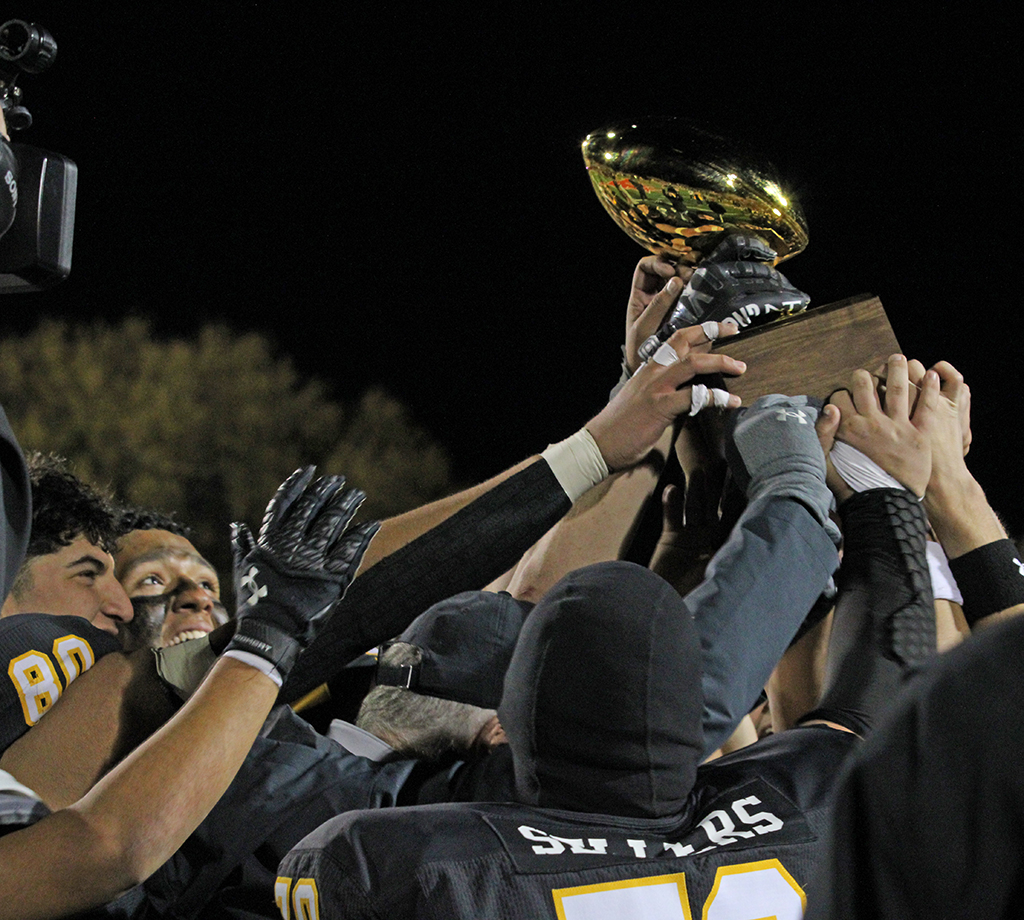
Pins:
<point x="256" y="592"/>
<point x="798" y="414"/>
<point x="305" y="557"/>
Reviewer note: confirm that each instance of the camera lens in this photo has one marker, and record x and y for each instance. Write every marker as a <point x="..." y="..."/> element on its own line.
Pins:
<point x="14" y="37"/>
<point x="27" y="45"/>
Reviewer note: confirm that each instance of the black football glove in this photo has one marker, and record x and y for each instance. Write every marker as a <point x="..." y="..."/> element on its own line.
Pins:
<point x="301" y="564"/>
<point x="735" y="282"/>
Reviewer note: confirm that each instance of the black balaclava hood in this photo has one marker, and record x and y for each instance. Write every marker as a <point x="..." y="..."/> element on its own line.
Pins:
<point x="602" y="703"/>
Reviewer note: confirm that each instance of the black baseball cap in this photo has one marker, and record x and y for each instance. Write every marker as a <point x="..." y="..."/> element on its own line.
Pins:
<point x="466" y="642"/>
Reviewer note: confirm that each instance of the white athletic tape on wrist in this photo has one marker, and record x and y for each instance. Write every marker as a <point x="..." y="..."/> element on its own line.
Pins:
<point x="859" y="471"/>
<point x="944" y="586"/>
<point x="254" y="661"/>
<point x="665" y="355"/>
<point x="701" y="397"/>
<point x="577" y="463"/>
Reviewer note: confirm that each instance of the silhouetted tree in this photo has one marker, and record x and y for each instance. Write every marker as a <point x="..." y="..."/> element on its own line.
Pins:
<point x="207" y="426"/>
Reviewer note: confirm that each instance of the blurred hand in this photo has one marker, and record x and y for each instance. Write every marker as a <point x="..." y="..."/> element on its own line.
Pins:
<point x="631" y="424"/>
<point x="656" y="285"/>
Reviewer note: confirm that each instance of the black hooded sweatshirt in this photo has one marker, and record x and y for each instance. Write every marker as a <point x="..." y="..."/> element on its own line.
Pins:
<point x="602" y="708"/>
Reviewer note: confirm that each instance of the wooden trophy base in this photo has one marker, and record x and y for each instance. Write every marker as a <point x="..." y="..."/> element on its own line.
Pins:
<point x="811" y="354"/>
<point x="814" y="352"/>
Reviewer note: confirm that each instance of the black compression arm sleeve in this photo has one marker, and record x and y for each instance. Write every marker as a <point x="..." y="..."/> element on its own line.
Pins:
<point x="463" y="553"/>
<point x="884" y="622"/>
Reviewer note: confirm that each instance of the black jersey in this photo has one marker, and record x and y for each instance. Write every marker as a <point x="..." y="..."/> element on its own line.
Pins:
<point x="612" y="817"/>
<point x="928" y="817"/>
<point x="43" y="655"/>
<point x="748" y="841"/>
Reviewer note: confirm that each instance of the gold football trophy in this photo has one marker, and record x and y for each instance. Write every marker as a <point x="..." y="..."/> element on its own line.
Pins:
<point x="678" y="189"/>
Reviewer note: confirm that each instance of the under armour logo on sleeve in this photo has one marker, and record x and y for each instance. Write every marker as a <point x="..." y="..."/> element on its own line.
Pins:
<point x="1020" y="565"/>
<point x="798" y="414"/>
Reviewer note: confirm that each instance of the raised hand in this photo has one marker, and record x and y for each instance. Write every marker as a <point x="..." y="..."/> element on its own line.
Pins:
<point x="656" y="285"/>
<point x="631" y="424"/>
<point x="949" y="428"/>
<point x="890" y="434"/>
<point x="301" y="563"/>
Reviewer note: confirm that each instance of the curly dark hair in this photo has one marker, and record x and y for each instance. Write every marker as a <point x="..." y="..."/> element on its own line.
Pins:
<point x="65" y="508"/>
<point x="147" y="519"/>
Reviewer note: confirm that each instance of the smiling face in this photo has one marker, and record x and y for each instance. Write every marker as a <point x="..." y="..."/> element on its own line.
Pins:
<point x="161" y="564"/>
<point x="76" y="580"/>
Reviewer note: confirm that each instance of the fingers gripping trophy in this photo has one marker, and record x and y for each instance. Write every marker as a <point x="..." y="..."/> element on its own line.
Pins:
<point x="691" y="196"/>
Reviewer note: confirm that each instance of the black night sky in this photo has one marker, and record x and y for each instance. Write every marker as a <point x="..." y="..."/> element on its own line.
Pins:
<point x="396" y="193"/>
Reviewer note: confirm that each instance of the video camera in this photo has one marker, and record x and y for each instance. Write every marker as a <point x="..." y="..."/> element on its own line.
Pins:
<point x="35" y="253"/>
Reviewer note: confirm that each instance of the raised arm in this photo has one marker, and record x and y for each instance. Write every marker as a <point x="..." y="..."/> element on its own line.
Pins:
<point x="884" y="621"/>
<point x="141" y="812"/>
<point x="397" y="532"/>
<point x="775" y="563"/>
<point x="490" y="534"/>
<point x="137" y="816"/>
<point x="985" y="563"/>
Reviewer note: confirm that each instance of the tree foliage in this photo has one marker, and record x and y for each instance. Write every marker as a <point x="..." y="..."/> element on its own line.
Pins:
<point x="207" y="426"/>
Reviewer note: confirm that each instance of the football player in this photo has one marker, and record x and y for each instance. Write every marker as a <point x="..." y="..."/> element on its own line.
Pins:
<point x="602" y="707"/>
<point x="936" y="786"/>
<point x="65" y="605"/>
<point x="174" y="590"/>
<point x="139" y="814"/>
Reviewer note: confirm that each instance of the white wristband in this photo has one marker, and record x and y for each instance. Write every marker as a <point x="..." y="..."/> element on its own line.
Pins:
<point x="577" y="463"/>
<point x="254" y="661"/>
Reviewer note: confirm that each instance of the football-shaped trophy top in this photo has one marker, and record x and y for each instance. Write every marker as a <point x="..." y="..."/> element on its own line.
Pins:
<point x="676" y="188"/>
